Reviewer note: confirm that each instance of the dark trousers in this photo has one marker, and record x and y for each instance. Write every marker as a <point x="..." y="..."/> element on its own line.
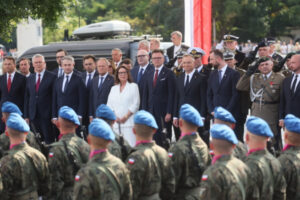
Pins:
<point x="239" y="127"/>
<point x="45" y="128"/>
<point x="163" y="135"/>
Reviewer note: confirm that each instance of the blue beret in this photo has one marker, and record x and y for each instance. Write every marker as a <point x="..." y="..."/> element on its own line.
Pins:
<point x="292" y="123"/>
<point x="16" y="122"/>
<point x="145" y="118"/>
<point x="190" y="114"/>
<point x="99" y="128"/>
<point x="223" y="114"/>
<point x="104" y="111"/>
<point x="258" y="126"/>
<point x="68" y="113"/>
<point x="9" y="107"/>
<point x="223" y="132"/>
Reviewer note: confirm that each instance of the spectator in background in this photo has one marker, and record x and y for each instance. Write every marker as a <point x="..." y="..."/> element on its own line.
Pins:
<point x="111" y="67"/>
<point x="126" y="63"/>
<point x="116" y="55"/>
<point x="290" y="46"/>
<point x="24" y="66"/>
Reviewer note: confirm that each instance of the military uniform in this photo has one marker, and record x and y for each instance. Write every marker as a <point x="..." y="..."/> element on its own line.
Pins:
<point x="119" y="148"/>
<point x="151" y="174"/>
<point x="227" y="178"/>
<point x="4" y="142"/>
<point x="104" y="177"/>
<point x="240" y="151"/>
<point x="62" y="168"/>
<point x="265" y="95"/>
<point x="190" y="157"/>
<point x="267" y="174"/>
<point x="25" y="173"/>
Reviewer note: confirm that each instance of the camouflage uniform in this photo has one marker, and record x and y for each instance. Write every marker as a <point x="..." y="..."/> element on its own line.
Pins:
<point x="290" y="162"/>
<point x="116" y="149"/>
<point x="151" y="174"/>
<point x="267" y="174"/>
<point x="25" y="173"/>
<point x="240" y="151"/>
<point x="4" y="143"/>
<point x="265" y="96"/>
<point x="190" y="157"/>
<point x="104" y="177"/>
<point x="62" y="169"/>
<point x="227" y="179"/>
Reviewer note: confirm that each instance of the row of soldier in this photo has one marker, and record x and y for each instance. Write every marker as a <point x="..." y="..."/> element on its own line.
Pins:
<point x="102" y="169"/>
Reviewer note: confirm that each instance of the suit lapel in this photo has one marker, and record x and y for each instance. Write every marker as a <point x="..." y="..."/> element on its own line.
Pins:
<point x="192" y="80"/>
<point x="224" y="78"/>
<point x="42" y="83"/>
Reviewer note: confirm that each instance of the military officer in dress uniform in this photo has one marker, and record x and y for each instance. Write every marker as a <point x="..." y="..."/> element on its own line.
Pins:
<point x="264" y="90"/>
<point x="271" y="42"/>
<point x="290" y="157"/>
<point x="230" y="44"/>
<point x="178" y="69"/>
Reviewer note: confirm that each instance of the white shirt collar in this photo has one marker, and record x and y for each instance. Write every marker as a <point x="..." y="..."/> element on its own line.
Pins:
<point x="37" y="74"/>
<point x="70" y="75"/>
<point x="144" y="67"/>
<point x="92" y="73"/>
<point x="199" y="68"/>
<point x="11" y="75"/>
<point x="268" y="75"/>
<point x="159" y="68"/>
<point x="190" y="74"/>
<point x="104" y="76"/>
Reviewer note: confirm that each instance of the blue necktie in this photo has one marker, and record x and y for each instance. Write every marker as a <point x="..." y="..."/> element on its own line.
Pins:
<point x="89" y="81"/>
<point x="140" y="74"/>
<point x="101" y="82"/>
<point x="66" y="83"/>
<point x="220" y="76"/>
<point x="187" y="81"/>
<point x="60" y="73"/>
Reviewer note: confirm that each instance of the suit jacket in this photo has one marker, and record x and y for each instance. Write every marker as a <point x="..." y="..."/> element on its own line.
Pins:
<point x="159" y="100"/>
<point x="74" y="96"/>
<point x="170" y="54"/>
<point x="289" y="101"/>
<point x="39" y="102"/>
<point x="193" y="94"/>
<point x="225" y="93"/>
<point x="55" y="71"/>
<point x="17" y="90"/>
<point x="99" y="96"/>
<point x="205" y="71"/>
<point x="134" y="74"/>
<point x="83" y="76"/>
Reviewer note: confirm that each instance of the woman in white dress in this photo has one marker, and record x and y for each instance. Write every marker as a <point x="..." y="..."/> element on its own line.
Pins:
<point x="124" y="100"/>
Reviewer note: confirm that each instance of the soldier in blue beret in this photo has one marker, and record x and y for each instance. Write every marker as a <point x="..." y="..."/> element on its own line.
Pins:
<point x="8" y="108"/>
<point x="151" y="174"/>
<point x="190" y="155"/>
<point x="119" y="147"/>
<point x="227" y="177"/>
<point x="266" y="169"/>
<point x="290" y="157"/>
<point x="103" y="170"/>
<point x="67" y="155"/>
<point x="24" y="170"/>
<point x="223" y="116"/>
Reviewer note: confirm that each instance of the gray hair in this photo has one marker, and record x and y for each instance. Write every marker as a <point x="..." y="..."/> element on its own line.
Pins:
<point x="178" y="33"/>
<point x="145" y="43"/>
<point x="38" y="56"/>
<point x="70" y="58"/>
<point x="105" y="60"/>
<point x="117" y="49"/>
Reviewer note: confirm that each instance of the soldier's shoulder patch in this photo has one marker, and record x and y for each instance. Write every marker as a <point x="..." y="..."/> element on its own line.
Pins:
<point x="51" y="154"/>
<point x="77" y="178"/>
<point x="204" y="177"/>
<point x="131" y="161"/>
<point x="170" y="154"/>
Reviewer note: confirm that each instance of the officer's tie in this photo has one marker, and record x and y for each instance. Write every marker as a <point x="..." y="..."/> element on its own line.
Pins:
<point x="187" y="81"/>
<point x="294" y="83"/>
<point x="66" y="83"/>
<point x="140" y="74"/>
<point x="101" y="82"/>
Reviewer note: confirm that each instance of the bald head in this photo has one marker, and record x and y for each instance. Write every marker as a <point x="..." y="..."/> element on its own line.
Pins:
<point x="295" y="63"/>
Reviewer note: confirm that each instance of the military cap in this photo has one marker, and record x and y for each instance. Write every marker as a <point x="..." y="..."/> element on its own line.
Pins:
<point x="105" y="112"/>
<point x="228" y="55"/>
<point x="16" y="122"/>
<point x="180" y="54"/>
<point x="196" y="52"/>
<point x="9" y="107"/>
<point x="270" y="40"/>
<point x="258" y="126"/>
<point x="223" y="132"/>
<point x="145" y="118"/>
<point x="292" y="123"/>
<point x="99" y="128"/>
<point x="68" y="113"/>
<point x="264" y="59"/>
<point x="189" y="114"/>
<point x="223" y="114"/>
<point x="229" y="37"/>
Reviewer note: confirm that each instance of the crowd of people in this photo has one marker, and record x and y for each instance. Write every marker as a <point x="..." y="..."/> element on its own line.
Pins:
<point x="128" y="113"/>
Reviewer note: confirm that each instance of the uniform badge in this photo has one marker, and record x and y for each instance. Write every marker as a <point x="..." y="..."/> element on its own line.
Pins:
<point x="170" y="155"/>
<point x="51" y="154"/>
<point x="131" y="161"/>
<point x="204" y="177"/>
<point x="77" y="178"/>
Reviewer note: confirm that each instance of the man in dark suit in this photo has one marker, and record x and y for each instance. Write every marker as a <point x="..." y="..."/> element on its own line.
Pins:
<point x="38" y="98"/>
<point x="230" y="44"/>
<point x="60" y="53"/>
<point x="142" y="71"/>
<point x="290" y="93"/>
<point x="191" y="89"/>
<point x="69" y="90"/>
<point x="158" y="96"/>
<point x="100" y="87"/>
<point x="222" y="85"/>
<point x="12" y="86"/>
<point x="24" y="66"/>
<point x="177" y="47"/>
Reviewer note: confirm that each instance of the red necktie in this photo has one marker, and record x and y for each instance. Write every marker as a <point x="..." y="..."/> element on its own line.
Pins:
<point x="9" y="83"/>
<point x="155" y="77"/>
<point x="37" y="85"/>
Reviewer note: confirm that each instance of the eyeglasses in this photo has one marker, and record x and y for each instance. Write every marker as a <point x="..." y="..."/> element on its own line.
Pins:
<point x="122" y="73"/>
<point x="157" y="58"/>
<point x="141" y="56"/>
